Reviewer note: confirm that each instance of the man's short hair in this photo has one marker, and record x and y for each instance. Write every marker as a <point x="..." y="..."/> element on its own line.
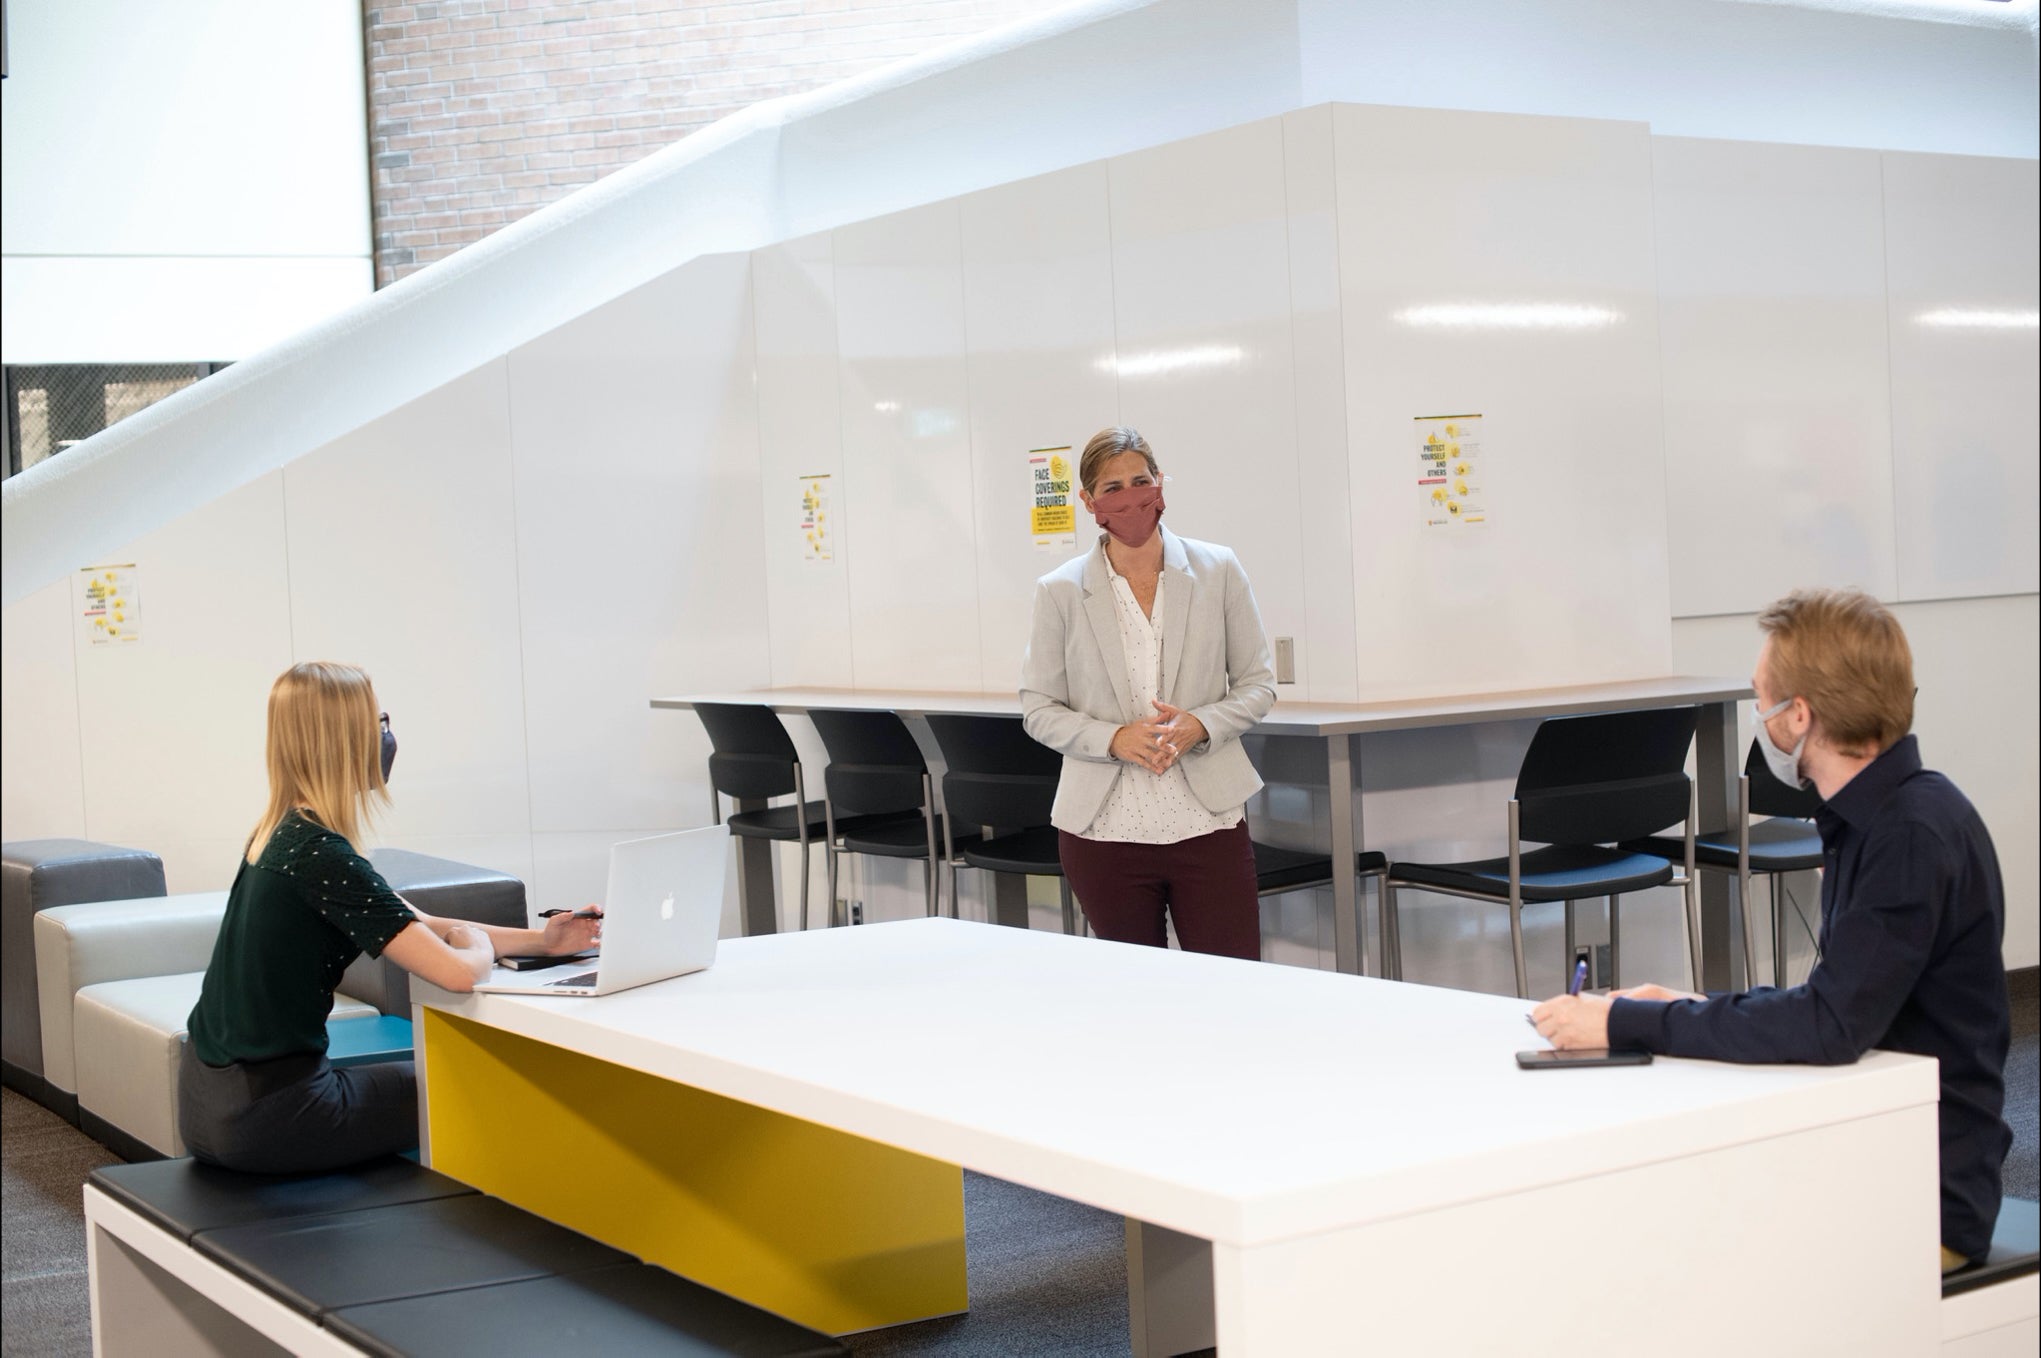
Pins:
<point x="1846" y="654"/>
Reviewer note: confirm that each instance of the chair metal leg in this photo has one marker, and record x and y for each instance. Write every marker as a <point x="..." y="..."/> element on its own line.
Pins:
<point x="1780" y="974"/>
<point x="1693" y="903"/>
<point x="1615" y="942"/>
<point x="801" y="832"/>
<point x="935" y="900"/>
<point x="830" y="854"/>
<point x="1516" y="944"/>
<point x="1069" y="906"/>
<point x="1572" y="948"/>
<point x="1392" y="943"/>
<point x="928" y="888"/>
<point x="1750" y="933"/>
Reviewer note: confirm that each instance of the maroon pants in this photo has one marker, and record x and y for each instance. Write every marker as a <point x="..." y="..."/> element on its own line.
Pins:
<point x="1206" y="885"/>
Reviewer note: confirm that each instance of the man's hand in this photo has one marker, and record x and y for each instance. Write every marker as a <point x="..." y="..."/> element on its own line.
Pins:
<point x="1570" y="1022"/>
<point x="572" y="933"/>
<point x="1654" y="992"/>
<point x="1143" y="743"/>
<point x="1180" y="730"/>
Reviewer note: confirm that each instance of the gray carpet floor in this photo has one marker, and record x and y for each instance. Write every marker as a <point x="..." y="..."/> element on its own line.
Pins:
<point x="1047" y="1276"/>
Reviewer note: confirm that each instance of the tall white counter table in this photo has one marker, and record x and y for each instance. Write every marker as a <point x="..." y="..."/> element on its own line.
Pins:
<point x="1358" y="1165"/>
<point x="1340" y="725"/>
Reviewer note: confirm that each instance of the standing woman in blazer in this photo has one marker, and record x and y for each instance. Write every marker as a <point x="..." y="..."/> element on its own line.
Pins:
<point x="1146" y="665"/>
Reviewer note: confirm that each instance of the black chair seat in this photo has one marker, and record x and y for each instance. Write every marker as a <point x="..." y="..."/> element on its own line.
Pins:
<point x="1033" y="852"/>
<point x="906" y="837"/>
<point x="185" y="1197"/>
<point x="2015" y="1249"/>
<point x="321" y="1263"/>
<point x="1371" y="860"/>
<point x="778" y="822"/>
<point x="1559" y="872"/>
<point x="1289" y="869"/>
<point x="1781" y="845"/>
<point x="635" y="1309"/>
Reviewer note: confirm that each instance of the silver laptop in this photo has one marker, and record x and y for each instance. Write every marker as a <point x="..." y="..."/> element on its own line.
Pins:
<point x="660" y="918"/>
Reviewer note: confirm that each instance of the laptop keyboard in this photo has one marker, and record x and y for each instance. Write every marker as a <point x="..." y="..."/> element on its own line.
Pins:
<point x="586" y="978"/>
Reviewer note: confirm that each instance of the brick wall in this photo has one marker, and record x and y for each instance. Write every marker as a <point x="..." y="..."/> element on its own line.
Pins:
<point x="481" y="110"/>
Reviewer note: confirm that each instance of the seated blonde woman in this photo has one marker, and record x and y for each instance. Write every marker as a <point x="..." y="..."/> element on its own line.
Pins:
<point x="255" y="1091"/>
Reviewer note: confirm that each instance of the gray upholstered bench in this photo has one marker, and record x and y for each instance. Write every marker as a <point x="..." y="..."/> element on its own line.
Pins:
<point x="1993" y="1308"/>
<point x="35" y="875"/>
<point x="387" y="1258"/>
<point x="438" y="886"/>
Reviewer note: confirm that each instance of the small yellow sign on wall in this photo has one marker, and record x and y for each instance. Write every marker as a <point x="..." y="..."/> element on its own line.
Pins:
<point x="110" y="605"/>
<point x="1052" y="511"/>
<point x="1451" y="493"/>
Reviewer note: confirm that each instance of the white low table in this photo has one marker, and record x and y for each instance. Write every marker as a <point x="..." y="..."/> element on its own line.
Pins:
<point x="1368" y="1166"/>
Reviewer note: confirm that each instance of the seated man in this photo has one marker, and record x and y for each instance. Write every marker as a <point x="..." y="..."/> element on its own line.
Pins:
<point x="1912" y="908"/>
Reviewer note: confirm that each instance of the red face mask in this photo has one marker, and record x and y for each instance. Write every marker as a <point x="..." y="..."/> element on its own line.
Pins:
<point x="1129" y="513"/>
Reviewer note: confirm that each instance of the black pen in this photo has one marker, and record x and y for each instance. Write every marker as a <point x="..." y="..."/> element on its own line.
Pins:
<point x="592" y="912"/>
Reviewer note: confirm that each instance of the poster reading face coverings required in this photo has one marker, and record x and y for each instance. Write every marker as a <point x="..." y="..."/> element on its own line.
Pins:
<point x="817" y="532"/>
<point x="110" y="605"/>
<point x="1052" y="511"/>
<point x="1449" y="483"/>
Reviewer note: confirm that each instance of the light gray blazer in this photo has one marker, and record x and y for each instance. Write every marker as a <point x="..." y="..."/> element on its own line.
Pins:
<point x="1215" y="665"/>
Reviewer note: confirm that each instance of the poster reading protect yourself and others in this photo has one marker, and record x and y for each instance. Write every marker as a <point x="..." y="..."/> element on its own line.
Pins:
<point x="1449" y="483"/>
<point x="816" y="530"/>
<point x="110" y="600"/>
<point x="1052" y="513"/>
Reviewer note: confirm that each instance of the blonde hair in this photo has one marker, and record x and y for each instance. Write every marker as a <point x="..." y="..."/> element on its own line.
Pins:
<point x="325" y="752"/>
<point x="1108" y="444"/>
<point x="1845" y="653"/>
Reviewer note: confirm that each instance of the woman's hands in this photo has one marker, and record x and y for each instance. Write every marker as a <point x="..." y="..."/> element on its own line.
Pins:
<point x="572" y="933"/>
<point x="1154" y="743"/>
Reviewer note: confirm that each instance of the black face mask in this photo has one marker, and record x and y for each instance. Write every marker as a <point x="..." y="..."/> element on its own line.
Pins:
<point x="389" y="747"/>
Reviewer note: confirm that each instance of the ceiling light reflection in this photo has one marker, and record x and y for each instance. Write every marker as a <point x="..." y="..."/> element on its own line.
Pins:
<point x="1162" y="362"/>
<point x="1979" y="318"/>
<point x="1508" y="316"/>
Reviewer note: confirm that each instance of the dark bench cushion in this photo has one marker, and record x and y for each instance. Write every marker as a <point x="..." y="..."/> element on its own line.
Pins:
<point x="185" y="1197"/>
<point x="2015" y="1249"/>
<point x="321" y="1263"/>
<point x="635" y="1309"/>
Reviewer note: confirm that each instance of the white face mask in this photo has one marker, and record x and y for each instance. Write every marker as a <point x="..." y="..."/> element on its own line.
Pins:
<point x="1784" y="764"/>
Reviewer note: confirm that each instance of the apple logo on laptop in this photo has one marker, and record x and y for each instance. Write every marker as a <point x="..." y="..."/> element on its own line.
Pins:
<point x="666" y="907"/>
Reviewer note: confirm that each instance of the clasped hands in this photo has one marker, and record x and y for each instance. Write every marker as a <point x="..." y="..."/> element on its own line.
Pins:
<point x="1154" y="743"/>
<point x="1577" y="1022"/>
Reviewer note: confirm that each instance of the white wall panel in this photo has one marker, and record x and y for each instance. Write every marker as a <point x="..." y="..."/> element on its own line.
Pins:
<point x="639" y="566"/>
<point x="800" y="434"/>
<point x="172" y="726"/>
<point x="1964" y="283"/>
<point x="1771" y="289"/>
<point x="1976" y="721"/>
<point x="1038" y="299"/>
<point x="1201" y="288"/>
<point x="403" y="561"/>
<point x="1327" y="669"/>
<point x="1536" y="233"/>
<point x="907" y="451"/>
<point x="39" y="758"/>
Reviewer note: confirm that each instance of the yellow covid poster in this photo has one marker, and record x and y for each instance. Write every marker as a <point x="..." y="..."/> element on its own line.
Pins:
<point x="110" y="612"/>
<point x="1052" y="508"/>
<point x="817" y="532"/>
<point x="1449" y="484"/>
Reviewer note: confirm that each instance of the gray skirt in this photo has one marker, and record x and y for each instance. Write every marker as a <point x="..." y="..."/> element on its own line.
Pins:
<point x="296" y="1114"/>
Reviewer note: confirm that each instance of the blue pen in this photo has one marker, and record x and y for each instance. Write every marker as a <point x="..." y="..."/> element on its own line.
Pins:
<point x="1579" y="975"/>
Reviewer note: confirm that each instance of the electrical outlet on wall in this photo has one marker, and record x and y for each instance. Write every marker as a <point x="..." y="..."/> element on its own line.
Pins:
<point x="857" y="912"/>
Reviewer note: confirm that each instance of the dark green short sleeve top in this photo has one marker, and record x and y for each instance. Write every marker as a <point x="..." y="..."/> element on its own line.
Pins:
<point x="295" y="918"/>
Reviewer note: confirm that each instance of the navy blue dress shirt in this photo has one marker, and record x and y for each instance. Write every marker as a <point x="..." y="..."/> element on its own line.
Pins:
<point x="1912" y="919"/>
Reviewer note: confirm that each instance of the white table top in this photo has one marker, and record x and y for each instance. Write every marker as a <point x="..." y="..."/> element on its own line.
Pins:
<point x="1287" y="718"/>
<point x="1236" y="1101"/>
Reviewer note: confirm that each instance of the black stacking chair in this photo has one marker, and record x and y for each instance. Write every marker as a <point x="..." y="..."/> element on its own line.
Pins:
<point x="1279" y="870"/>
<point x="1787" y="842"/>
<point x="1585" y="783"/>
<point x="754" y="760"/>
<point x="1000" y="778"/>
<point x="877" y="795"/>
